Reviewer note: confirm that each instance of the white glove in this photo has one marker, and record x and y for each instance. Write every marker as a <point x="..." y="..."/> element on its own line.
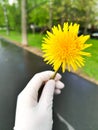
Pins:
<point x="32" y="114"/>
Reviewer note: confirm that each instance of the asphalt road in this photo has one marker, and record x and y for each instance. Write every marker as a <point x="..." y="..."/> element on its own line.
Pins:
<point x="75" y="109"/>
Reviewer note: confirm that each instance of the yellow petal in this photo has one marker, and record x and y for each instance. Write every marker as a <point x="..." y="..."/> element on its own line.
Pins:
<point x="63" y="47"/>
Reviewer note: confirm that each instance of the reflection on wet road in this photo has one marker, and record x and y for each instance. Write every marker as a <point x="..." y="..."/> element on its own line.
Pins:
<point x="69" y="126"/>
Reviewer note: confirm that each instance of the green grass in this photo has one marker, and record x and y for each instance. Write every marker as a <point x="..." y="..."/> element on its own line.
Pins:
<point x="13" y="35"/>
<point x="91" y="63"/>
<point x="33" y="39"/>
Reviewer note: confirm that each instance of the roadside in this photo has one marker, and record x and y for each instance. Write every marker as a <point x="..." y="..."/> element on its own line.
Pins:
<point x="38" y="52"/>
<point x="34" y="50"/>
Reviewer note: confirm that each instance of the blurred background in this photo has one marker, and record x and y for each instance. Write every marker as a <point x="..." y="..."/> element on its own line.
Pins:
<point x="26" y="22"/>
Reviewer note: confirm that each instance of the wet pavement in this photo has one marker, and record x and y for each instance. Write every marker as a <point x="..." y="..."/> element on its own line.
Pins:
<point x="75" y="109"/>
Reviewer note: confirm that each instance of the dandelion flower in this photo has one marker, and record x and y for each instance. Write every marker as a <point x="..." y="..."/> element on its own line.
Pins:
<point x="64" y="48"/>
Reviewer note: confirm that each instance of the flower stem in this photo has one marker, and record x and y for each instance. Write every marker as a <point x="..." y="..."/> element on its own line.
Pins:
<point x="53" y="76"/>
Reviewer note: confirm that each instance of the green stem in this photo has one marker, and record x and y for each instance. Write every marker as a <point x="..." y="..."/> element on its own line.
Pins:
<point x="54" y="74"/>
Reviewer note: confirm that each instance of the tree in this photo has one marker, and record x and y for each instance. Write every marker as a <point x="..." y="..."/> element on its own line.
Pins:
<point x="85" y="12"/>
<point x="24" y="23"/>
<point x="37" y="12"/>
<point x="50" y="13"/>
<point x="2" y="23"/>
<point x="5" y="12"/>
<point x="45" y="13"/>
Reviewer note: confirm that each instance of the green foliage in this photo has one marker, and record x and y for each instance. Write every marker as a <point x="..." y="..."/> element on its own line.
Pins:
<point x="13" y="15"/>
<point x="38" y="16"/>
<point x="1" y="16"/>
<point x="42" y="13"/>
<point x="15" y="18"/>
<point x="37" y="12"/>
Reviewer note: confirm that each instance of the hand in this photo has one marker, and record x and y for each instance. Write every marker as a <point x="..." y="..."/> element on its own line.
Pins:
<point x="32" y="114"/>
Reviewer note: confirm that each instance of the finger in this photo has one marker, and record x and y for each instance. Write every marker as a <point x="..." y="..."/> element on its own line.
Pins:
<point x="30" y="92"/>
<point x="46" y="99"/>
<point x="57" y="77"/>
<point x="57" y="91"/>
<point x="59" y="85"/>
<point x="38" y="79"/>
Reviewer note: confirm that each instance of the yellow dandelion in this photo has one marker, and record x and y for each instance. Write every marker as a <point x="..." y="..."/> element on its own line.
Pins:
<point x="64" y="48"/>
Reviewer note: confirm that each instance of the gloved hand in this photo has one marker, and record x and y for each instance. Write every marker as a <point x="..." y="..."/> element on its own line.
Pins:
<point x="32" y="114"/>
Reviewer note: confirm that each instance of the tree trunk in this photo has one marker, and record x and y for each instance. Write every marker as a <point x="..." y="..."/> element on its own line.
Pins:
<point x="50" y="14"/>
<point x="24" y="22"/>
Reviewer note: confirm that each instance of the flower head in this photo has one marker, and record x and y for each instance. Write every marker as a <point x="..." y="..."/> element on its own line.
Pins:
<point x="64" y="48"/>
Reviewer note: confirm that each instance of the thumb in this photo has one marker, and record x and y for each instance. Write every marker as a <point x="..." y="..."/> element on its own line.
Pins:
<point x="46" y="99"/>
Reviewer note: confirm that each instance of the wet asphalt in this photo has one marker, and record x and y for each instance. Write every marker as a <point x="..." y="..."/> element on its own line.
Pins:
<point x="75" y="109"/>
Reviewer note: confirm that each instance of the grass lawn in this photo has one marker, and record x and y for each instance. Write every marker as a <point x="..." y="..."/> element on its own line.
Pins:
<point x="33" y="39"/>
<point x="91" y="64"/>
